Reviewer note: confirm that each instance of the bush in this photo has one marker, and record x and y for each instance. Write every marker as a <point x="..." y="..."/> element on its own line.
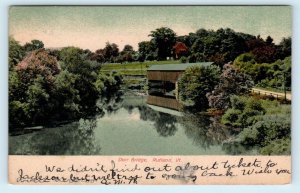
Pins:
<point x="248" y="117"/>
<point x="244" y="111"/>
<point x="238" y="102"/>
<point x="277" y="147"/>
<point x="272" y="134"/>
<point x="231" y="116"/>
<point x="183" y="59"/>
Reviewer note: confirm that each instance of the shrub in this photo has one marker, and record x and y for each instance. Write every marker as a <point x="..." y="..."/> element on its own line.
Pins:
<point x="231" y="116"/>
<point x="272" y="130"/>
<point x="277" y="147"/>
<point x="244" y="111"/>
<point x="183" y="59"/>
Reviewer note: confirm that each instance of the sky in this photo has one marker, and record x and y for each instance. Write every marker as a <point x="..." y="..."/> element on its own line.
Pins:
<point x="90" y="27"/>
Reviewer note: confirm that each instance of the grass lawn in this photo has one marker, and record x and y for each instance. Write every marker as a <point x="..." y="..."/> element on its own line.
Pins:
<point x="134" y="67"/>
<point x="130" y="70"/>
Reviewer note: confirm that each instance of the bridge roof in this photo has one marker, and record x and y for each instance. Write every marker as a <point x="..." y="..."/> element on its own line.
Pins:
<point x="176" y="67"/>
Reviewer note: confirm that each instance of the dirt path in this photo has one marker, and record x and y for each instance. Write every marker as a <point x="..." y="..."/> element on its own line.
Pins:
<point x="272" y="93"/>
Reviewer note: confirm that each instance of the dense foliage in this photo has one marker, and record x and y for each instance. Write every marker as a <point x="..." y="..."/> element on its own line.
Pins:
<point x="44" y="86"/>
<point x="195" y="83"/>
<point x="219" y="46"/>
<point x="163" y="39"/>
<point x="15" y="53"/>
<point x="232" y="82"/>
<point x="276" y="75"/>
<point x="262" y="123"/>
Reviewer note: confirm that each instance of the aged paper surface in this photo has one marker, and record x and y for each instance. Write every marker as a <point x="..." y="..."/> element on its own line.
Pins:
<point x="150" y="95"/>
<point x="149" y="170"/>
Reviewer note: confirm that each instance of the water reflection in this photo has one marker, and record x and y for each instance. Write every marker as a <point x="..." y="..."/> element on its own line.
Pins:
<point x="203" y="130"/>
<point x="236" y="148"/>
<point x="110" y="103"/>
<point x="126" y="125"/>
<point x="71" y="139"/>
<point x="165" y="124"/>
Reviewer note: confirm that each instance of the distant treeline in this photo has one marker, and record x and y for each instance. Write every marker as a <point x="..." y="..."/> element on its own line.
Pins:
<point x="220" y="46"/>
<point x="66" y="82"/>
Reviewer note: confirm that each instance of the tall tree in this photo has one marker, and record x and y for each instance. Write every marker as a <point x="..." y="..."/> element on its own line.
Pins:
<point x="164" y="38"/>
<point x="284" y="48"/>
<point x="111" y="51"/>
<point x="71" y="58"/>
<point x="128" y="48"/>
<point x="98" y="56"/>
<point x="147" y="50"/>
<point x="127" y="53"/>
<point x="33" y="45"/>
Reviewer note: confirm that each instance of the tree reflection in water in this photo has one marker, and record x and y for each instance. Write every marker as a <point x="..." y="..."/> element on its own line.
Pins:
<point x="234" y="148"/>
<point x="204" y="130"/>
<point x="75" y="139"/>
<point x="78" y="138"/>
<point x="165" y="124"/>
<point x="110" y="103"/>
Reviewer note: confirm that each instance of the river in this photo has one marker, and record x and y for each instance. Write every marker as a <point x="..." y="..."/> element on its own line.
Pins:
<point x="128" y="126"/>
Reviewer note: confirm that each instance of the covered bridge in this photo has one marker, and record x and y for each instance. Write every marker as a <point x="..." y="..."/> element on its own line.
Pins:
<point x="163" y="83"/>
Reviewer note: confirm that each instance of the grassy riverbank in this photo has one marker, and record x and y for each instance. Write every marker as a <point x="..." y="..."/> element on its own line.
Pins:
<point x="134" y="73"/>
<point x="134" y="68"/>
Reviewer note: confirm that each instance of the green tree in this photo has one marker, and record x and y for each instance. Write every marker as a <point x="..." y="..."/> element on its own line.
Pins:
<point x="147" y="50"/>
<point x="243" y="111"/>
<point x="38" y="97"/>
<point x="127" y="53"/>
<point x="284" y="74"/>
<point x="164" y="39"/>
<point x="71" y="59"/>
<point x="66" y="96"/>
<point x="33" y="45"/>
<point x="195" y="83"/>
<point x="110" y="51"/>
<point x="245" y="62"/>
<point x="284" y="48"/>
<point x="108" y="83"/>
<point x="15" y="52"/>
<point x="85" y="71"/>
<point x="221" y="46"/>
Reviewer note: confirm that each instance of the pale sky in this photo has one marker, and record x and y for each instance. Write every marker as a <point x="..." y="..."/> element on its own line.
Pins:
<point x="92" y="26"/>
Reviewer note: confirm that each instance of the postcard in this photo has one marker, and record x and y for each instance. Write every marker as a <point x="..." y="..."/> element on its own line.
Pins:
<point x="142" y="95"/>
